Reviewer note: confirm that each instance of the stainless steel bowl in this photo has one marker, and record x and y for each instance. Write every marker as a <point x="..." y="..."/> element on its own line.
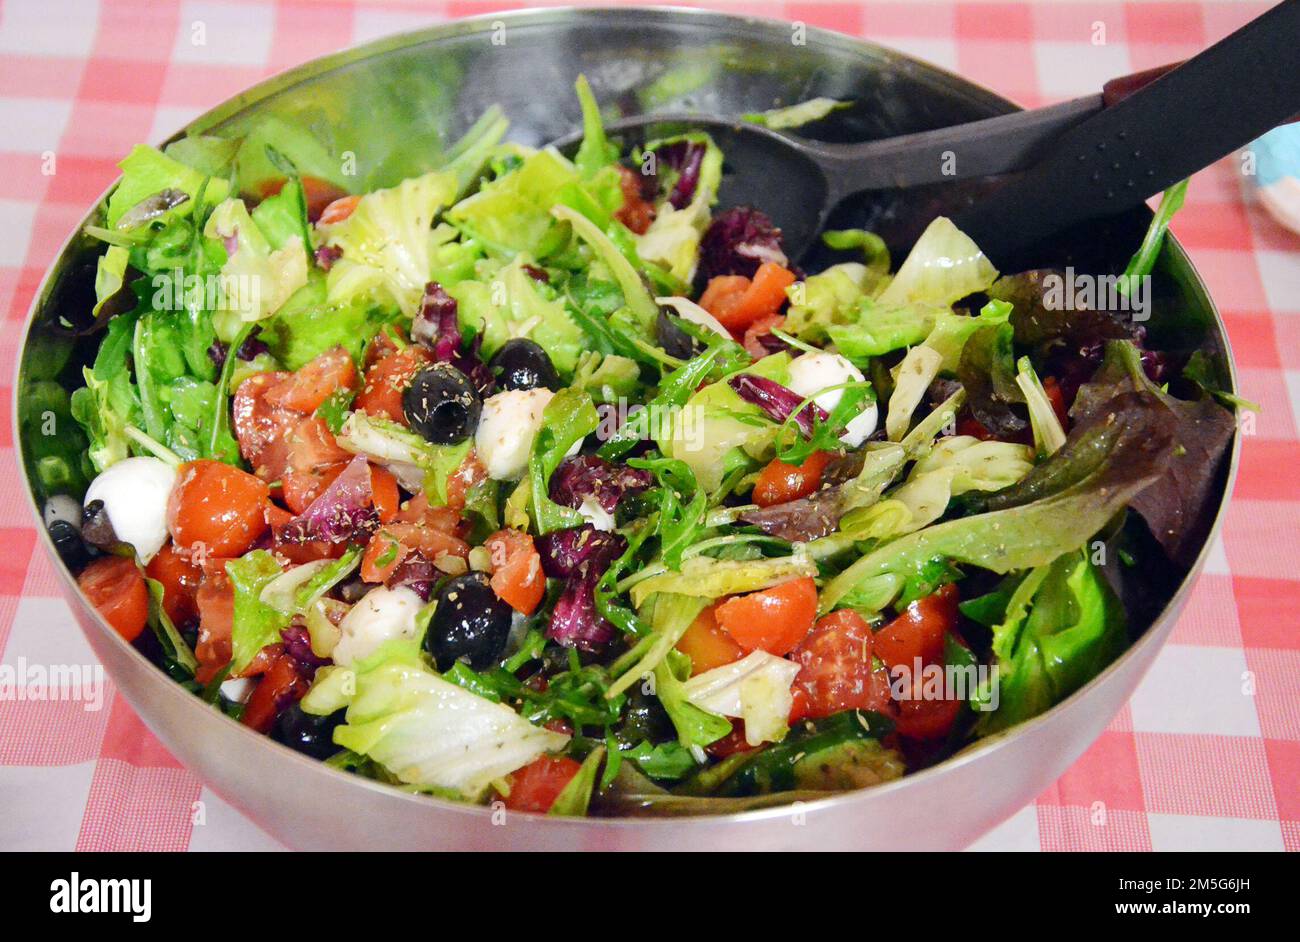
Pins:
<point x="393" y="104"/>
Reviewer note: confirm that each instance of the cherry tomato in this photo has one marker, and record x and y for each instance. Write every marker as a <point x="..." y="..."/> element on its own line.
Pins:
<point x="1057" y="398"/>
<point x="180" y="580"/>
<point x="835" y="669"/>
<point x="113" y="585"/>
<point x="536" y="786"/>
<point x="707" y="645"/>
<point x="517" y="576"/>
<point x="387" y="380"/>
<point x="283" y="683"/>
<point x="218" y="506"/>
<point x="305" y="389"/>
<point x="780" y="482"/>
<point x="731" y="743"/>
<point x="774" y="619"/>
<point x="919" y="631"/>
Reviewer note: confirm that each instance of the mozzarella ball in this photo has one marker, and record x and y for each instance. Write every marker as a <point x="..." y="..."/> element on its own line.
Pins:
<point x="381" y="615"/>
<point x="506" y="429"/>
<point x="813" y="372"/>
<point x="135" y="492"/>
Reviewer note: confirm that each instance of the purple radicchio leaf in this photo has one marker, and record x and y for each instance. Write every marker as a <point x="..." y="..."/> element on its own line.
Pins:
<point x="438" y="328"/>
<point x="584" y="476"/>
<point x="297" y="644"/>
<point x="737" y="242"/>
<point x="327" y="255"/>
<point x="685" y="157"/>
<point x="777" y="401"/>
<point x="416" y="573"/>
<point x="580" y="556"/>
<point x="343" y="512"/>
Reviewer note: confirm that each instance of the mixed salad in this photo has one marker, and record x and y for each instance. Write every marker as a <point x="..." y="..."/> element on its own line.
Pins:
<point x="542" y="480"/>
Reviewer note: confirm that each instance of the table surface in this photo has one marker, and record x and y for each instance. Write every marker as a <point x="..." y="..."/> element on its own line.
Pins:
<point x="1207" y="753"/>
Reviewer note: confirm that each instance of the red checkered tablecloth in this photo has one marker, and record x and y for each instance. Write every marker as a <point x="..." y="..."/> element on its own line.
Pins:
<point x="1207" y="753"/>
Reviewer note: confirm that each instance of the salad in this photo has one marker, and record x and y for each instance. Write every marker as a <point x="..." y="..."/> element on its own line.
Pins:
<point x="546" y="481"/>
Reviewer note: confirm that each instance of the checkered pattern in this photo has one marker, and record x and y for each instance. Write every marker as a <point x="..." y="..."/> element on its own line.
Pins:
<point x="1207" y="754"/>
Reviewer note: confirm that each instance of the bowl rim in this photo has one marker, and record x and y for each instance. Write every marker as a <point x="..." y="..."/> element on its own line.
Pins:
<point x="541" y="16"/>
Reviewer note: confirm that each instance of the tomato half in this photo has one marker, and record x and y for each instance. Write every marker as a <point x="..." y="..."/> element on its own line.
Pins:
<point x="536" y="786"/>
<point x="707" y="645"/>
<point x="387" y="380"/>
<point x="835" y="669"/>
<point x="218" y="507"/>
<point x="918" y="632"/>
<point x="780" y="482"/>
<point x="114" y="585"/>
<point x="180" y="579"/>
<point x="517" y="577"/>
<point x="774" y="619"/>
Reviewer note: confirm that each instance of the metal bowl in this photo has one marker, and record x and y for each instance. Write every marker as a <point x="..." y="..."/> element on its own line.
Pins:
<point x="393" y="104"/>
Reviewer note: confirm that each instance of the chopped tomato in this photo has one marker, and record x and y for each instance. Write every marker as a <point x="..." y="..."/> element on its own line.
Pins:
<point x="261" y="428"/>
<point x="636" y="212"/>
<point x="737" y="301"/>
<point x="283" y="683"/>
<point x="517" y="577"/>
<point x="388" y="379"/>
<point x="306" y="388"/>
<point x="445" y="519"/>
<point x="926" y="719"/>
<point x="774" y="620"/>
<point x="386" y="496"/>
<point x="919" y="630"/>
<point x="180" y="579"/>
<point x="707" y="645"/>
<point x="731" y="743"/>
<point x="536" y="786"/>
<point x="215" y="601"/>
<point x="338" y="210"/>
<point x="969" y="425"/>
<point x="1057" y="398"/>
<point x="299" y="553"/>
<point x="382" y="344"/>
<point x="835" y="669"/>
<point x="780" y="482"/>
<point x="319" y="194"/>
<point x="394" y="542"/>
<point x="217" y="507"/>
<point x="761" y="327"/>
<point x="113" y="585"/>
<point x="314" y="461"/>
<point x="469" y="475"/>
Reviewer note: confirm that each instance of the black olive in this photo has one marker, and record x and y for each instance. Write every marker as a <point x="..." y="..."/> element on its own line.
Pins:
<point x="69" y="544"/>
<point x="442" y="404"/>
<point x="470" y="622"/>
<point x="306" y="732"/>
<point x="523" y="364"/>
<point x="674" y="339"/>
<point x="97" y="529"/>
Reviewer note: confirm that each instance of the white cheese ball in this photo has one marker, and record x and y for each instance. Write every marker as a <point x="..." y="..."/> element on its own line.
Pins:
<point x="135" y="492"/>
<point x="813" y="372"/>
<point x="381" y="615"/>
<point x="506" y="429"/>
